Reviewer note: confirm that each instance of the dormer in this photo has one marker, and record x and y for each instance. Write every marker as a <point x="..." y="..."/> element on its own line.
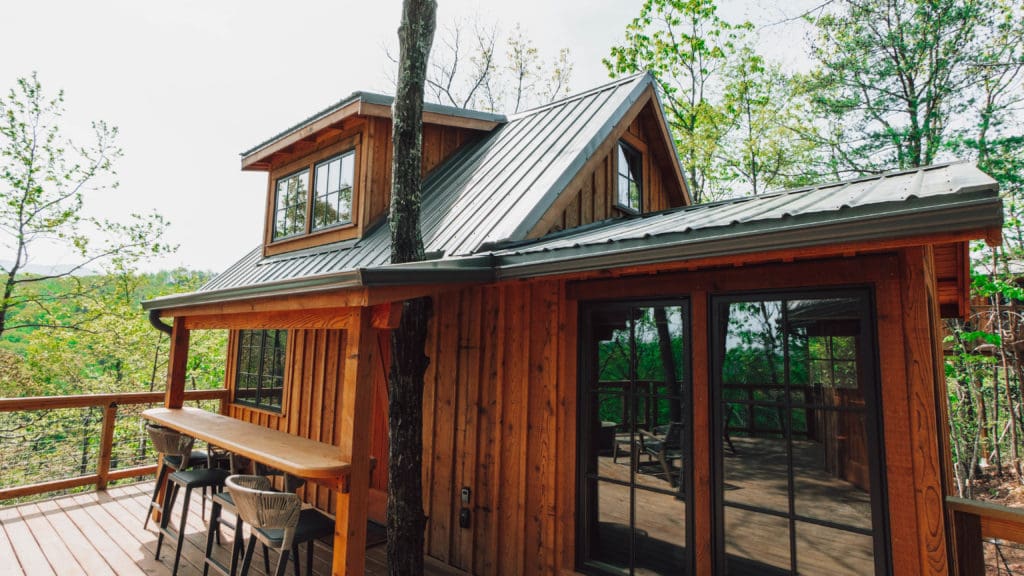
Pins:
<point x="329" y="177"/>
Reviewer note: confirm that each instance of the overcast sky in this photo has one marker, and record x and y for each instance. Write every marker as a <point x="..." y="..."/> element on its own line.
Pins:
<point x="191" y="83"/>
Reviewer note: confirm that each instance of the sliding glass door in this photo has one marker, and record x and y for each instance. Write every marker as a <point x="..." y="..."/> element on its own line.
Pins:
<point x="634" y="440"/>
<point x="799" y="485"/>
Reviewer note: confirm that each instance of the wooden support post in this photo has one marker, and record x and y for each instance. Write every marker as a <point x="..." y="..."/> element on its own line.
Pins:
<point x="354" y="425"/>
<point x="924" y="382"/>
<point x="702" y="439"/>
<point x="176" y="365"/>
<point x="970" y="554"/>
<point x="106" y="445"/>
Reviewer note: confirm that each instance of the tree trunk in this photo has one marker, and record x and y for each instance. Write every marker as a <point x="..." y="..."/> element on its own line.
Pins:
<point x="408" y="361"/>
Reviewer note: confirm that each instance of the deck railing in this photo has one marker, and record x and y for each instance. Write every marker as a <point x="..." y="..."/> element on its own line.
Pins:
<point x="989" y="538"/>
<point x="75" y="441"/>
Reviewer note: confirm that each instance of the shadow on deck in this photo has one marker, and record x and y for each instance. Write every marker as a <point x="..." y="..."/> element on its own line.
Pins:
<point x="97" y="533"/>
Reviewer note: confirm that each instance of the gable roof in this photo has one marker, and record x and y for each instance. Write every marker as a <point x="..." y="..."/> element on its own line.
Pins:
<point x="946" y="198"/>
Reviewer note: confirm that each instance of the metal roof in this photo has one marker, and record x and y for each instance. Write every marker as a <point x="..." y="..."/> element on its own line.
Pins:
<point x="383" y="100"/>
<point x="492" y="191"/>
<point x="935" y="199"/>
<point x="943" y="198"/>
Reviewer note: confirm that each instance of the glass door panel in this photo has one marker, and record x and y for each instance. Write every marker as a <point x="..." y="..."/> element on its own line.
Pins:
<point x="795" y="394"/>
<point x="634" y="439"/>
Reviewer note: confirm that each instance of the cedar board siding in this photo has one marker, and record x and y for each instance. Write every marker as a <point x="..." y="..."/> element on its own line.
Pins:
<point x="595" y="198"/>
<point x="439" y="143"/>
<point x="500" y="407"/>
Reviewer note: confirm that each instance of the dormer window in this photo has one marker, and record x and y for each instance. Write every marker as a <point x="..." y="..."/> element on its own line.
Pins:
<point x="290" y="205"/>
<point x="314" y="195"/>
<point x="332" y="181"/>
<point x="630" y="190"/>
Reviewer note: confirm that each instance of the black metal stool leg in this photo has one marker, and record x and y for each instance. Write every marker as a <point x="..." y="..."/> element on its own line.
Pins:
<point x="181" y="530"/>
<point x="248" y="555"/>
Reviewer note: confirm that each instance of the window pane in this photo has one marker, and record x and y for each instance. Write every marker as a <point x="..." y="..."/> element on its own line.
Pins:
<point x="259" y="379"/>
<point x="826" y="551"/>
<point x="348" y="163"/>
<point x="320" y="180"/>
<point x="623" y="191"/>
<point x="796" y="446"/>
<point x="660" y="533"/>
<point x="345" y="205"/>
<point x="755" y="544"/>
<point x="613" y="534"/>
<point x="632" y="511"/>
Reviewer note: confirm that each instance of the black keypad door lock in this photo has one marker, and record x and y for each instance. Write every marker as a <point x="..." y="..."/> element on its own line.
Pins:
<point x="464" y="518"/>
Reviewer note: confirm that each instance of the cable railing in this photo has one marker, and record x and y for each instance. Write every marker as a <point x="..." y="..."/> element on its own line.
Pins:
<point x="989" y="538"/>
<point x="59" y="443"/>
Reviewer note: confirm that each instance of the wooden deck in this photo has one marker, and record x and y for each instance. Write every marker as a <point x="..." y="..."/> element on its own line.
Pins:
<point x="98" y="533"/>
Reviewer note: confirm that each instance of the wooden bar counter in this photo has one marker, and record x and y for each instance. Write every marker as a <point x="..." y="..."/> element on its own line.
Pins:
<point x="297" y="456"/>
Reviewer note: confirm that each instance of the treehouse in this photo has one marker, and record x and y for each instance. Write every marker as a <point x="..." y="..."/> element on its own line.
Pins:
<point x="620" y="382"/>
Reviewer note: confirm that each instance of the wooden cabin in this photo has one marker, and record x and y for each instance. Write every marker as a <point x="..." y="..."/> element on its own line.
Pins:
<point x="619" y="382"/>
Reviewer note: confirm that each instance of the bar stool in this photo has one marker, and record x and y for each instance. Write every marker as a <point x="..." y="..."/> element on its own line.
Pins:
<point x="171" y="444"/>
<point x="223" y="502"/>
<point x="277" y="519"/>
<point x="189" y="480"/>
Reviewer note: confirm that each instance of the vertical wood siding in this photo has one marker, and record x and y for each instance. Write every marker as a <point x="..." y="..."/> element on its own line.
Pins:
<point x="493" y="403"/>
<point x="314" y="367"/>
<point x="439" y="143"/>
<point x="594" y="200"/>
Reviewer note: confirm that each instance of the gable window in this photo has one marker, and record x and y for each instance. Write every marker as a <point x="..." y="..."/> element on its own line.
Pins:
<point x="290" y="205"/>
<point x="259" y="376"/>
<point x="332" y="180"/>
<point x="630" y="190"/>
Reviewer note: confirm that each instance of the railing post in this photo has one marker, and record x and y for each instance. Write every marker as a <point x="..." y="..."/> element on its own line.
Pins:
<point x="106" y="445"/>
<point x="968" y="545"/>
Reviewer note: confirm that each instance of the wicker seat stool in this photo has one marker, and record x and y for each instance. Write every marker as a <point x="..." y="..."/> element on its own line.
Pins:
<point x="277" y="520"/>
<point x="171" y="445"/>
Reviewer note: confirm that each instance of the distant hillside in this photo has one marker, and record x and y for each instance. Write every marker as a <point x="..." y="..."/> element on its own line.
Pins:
<point x="49" y="269"/>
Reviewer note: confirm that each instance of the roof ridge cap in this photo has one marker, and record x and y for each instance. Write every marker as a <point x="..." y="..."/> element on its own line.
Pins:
<point x="578" y="96"/>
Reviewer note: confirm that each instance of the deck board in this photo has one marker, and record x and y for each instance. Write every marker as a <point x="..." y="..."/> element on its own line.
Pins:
<point x="98" y="533"/>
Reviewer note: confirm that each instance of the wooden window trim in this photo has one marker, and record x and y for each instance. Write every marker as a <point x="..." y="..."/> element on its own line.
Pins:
<point x="236" y="374"/>
<point x="640" y="148"/>
<point x="312" y="237"/>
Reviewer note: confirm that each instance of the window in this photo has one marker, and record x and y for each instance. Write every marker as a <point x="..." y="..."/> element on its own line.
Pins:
<point x="799" y="484"/>
<point x="259" y="378"/>
<point x="630" y="178"/>
<point x="333" y="183"/>
<point x="317" y="197"/>
<point x="634" y="458"/>
<point x="290" y="205"/>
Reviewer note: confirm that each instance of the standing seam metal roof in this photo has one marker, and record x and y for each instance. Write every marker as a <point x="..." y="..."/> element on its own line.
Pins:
<point x="493" y="190"/>
<point x="936" y="199"/>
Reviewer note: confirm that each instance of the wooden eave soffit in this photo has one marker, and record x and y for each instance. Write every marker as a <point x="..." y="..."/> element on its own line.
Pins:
<point x="308" y="135"/>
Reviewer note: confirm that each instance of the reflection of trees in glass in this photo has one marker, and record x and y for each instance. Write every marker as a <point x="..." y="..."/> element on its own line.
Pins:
<point x="332" y="180"/>
<point x="644" y="346"/>
<point x="290" y="205"/>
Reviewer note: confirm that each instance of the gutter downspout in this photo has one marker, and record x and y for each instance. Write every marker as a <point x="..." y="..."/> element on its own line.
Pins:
<point x="154" y="319"/>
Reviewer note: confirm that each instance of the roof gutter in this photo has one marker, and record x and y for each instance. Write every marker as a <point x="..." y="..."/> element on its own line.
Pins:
<point x="734" y="240"/>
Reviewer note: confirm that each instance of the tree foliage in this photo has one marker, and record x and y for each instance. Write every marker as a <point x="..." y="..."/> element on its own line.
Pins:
<point x="44" y="179"/>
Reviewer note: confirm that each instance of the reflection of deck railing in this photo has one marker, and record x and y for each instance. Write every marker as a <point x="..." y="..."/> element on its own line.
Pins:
<point x="977" y="525"/>
<point x="76" y="441"/>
